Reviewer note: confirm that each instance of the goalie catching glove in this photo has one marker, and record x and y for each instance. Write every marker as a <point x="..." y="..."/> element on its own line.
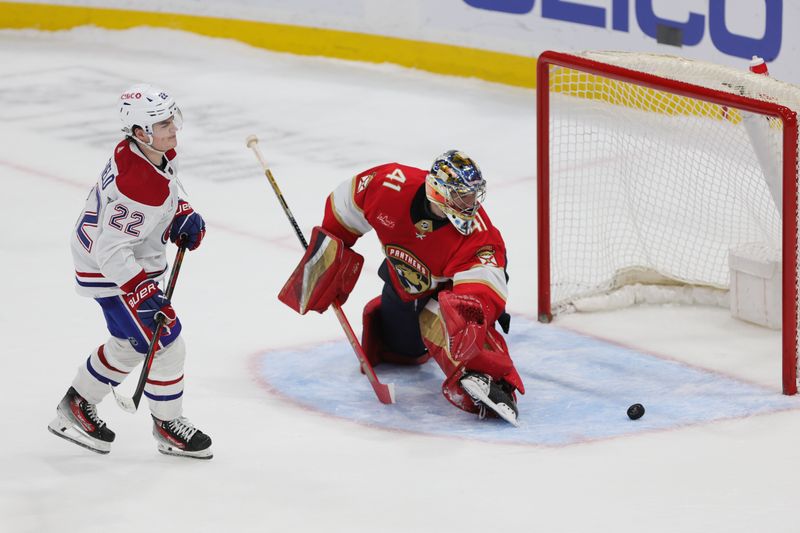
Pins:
<point x="326" y="274"/>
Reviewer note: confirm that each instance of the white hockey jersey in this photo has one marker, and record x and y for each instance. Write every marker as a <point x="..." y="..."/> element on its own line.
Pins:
<point x="121" y="235"/>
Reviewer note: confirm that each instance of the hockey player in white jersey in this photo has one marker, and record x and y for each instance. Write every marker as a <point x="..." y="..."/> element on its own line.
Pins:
<point x="119" y="251"/>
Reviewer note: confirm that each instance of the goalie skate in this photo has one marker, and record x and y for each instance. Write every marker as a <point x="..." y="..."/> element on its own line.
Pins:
<point x="180" y="438"/>
<point x="77" y="421"/>
<point x="488" y="394"/>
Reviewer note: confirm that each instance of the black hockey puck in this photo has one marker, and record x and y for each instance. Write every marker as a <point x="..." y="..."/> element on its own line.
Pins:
<point x="635" y="411"/>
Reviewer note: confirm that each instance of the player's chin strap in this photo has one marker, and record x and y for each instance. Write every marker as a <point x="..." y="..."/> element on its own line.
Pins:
<point x="149" y="143"/>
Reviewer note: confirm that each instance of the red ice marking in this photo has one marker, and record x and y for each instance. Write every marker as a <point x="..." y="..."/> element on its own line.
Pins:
<point x="46" y="175"/>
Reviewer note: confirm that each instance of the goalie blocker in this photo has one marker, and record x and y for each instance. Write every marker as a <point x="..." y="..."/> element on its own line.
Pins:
<point x="326" y="274"/>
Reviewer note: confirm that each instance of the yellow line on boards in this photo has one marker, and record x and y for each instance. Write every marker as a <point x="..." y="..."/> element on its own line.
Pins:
<point x="497" y="67"/>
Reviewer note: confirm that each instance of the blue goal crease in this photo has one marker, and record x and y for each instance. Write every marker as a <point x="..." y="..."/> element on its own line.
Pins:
<point x="579" y="389"/>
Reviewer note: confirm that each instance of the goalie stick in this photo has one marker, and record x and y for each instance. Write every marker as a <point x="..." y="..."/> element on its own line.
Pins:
<point x="384" y="392"/>
<point x="130" y="405"/>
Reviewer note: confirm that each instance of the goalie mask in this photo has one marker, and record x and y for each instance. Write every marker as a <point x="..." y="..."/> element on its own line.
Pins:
<point x="145" y="105"/>
<point x="455" y="185"/>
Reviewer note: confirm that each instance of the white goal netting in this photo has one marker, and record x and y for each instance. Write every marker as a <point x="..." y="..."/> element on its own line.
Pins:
<point x="650" y="186"/>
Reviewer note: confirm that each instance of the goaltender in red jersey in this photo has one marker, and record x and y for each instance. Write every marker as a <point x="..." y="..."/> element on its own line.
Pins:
<point x="445" y="281"/>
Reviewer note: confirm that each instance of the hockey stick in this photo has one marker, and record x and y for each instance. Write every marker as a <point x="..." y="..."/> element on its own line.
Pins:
<point x="132" y="404"/>
<point x="384" y="392"/>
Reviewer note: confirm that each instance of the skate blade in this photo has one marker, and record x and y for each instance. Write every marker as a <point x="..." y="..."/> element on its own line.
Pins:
<point x="176" y="452"/>
<point x="61" y="428"/>
<point x="477" y="395"/>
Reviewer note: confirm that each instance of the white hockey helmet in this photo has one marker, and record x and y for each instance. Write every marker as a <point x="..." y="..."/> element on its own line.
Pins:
<point x="144" y="105"/>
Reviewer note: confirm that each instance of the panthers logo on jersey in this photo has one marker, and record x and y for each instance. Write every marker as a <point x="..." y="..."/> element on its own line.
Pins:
<point x="486" y="256"/>
<point x="412" y="273"/>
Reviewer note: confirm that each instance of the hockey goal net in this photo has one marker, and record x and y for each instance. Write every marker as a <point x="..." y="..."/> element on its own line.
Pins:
<point x="652" y="168"/>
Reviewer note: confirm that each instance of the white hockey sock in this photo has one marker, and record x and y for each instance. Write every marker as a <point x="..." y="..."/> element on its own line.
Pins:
<point x="109" y="363"/>
<point x="164" y="388"/>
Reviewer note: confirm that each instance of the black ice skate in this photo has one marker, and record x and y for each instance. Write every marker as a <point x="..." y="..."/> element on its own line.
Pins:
<point x="77" y="421"/>
<point x="179" y="437"/>
<point x="489" y="394"/>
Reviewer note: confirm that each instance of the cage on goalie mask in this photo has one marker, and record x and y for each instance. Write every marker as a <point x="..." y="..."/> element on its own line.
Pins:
<point x="455" y="185"/>
<point x="144" y="105"/>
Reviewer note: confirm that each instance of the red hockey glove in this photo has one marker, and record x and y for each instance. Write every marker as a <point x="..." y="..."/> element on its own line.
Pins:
<point x="149" y="303"/>
<point x="465" y="320"/>
<point x="327" y="273"/>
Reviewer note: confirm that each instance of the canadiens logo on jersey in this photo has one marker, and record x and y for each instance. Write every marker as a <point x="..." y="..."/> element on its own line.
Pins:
<point x="486" y="256"/>
<point x="412" y="273"/>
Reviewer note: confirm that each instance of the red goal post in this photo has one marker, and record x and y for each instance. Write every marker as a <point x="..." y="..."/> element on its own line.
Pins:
<point x="728" y="89"/>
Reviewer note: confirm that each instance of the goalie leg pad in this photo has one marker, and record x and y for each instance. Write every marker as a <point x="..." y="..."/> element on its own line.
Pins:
<point x="435" y="337"/>
<point x="495" y="361"/>
<point x="492" y="358"/>
<point x="326" y="274"/>
<point x="465" y="322"/>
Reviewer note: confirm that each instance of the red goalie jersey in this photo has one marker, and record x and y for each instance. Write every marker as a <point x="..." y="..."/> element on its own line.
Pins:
<point x="424" y="252"/>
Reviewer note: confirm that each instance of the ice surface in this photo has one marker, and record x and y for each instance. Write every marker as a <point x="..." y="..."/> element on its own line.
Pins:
<point x="278" y="466"/>
<point x="579" y="390"/>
